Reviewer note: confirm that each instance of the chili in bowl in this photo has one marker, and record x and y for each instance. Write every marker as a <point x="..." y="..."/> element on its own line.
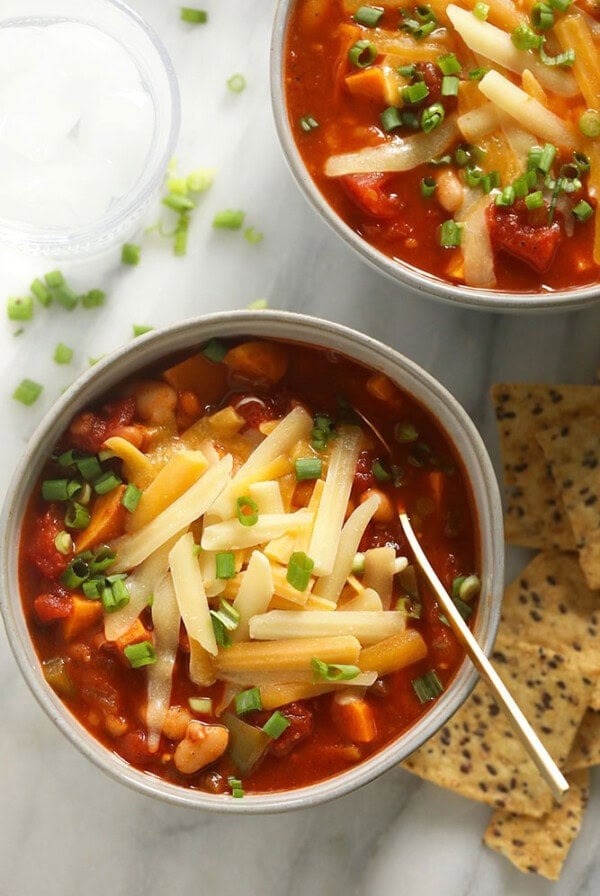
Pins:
<point x="205" y="582"/>
<point x="456" y="149"/>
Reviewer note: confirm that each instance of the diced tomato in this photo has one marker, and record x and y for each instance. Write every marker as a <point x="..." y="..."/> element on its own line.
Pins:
<point x="49" y="607"/>
<point x="41" y="549"/>
<point x="367" y="191"/>
<point x="514" y="230"/>
<point x="90" y="430"/>
<point x="364" y="478"/>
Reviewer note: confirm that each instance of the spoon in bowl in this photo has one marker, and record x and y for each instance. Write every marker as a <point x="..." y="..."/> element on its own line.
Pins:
<point x="523" y="730"/>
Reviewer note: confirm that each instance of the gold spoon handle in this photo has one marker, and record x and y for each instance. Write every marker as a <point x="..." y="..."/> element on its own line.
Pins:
<point x="542" y="759"/>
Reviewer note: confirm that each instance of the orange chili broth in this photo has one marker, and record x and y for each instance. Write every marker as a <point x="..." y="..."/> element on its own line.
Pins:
<point x="316" y="64"/>
<point x="318" y="378"/>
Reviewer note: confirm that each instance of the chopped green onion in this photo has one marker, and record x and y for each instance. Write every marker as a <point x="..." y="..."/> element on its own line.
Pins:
<point x="140" y="654"/>
<point x="93" y="588"/>
<point x="177" y="203"/>
<point x="390" y="119"/>
<point x="60" y="489"/>
<point x="441" y="160"/>
<point x="221" y="634"/>
<point x="542" y="17"/>
<point x="405" y="432"/>
<point x="63" y="354"/>
<point x="253" y="236"/>
<point x="547" y="157"/>
<point x="76" y="573"/>
<point x="476" y="74"/>
<point x="77" y="516"/>
<point x="449" y="64"/>
<point x="299" y="569"/>
<point x="409" y="607"/>
<point x="427" y="687"/>
<point x="225" y="564"/>
<point x="450" y="234"/>
<point x="322" y="432"/>
<point x="589" y="123"/>
<point x="410" y="120"/>
<point x="236" y="83"/>
<point x="237" y="791"/>
<point x="131" y="497"/>
<point x="106" y="482"/>
<point x="193" y="16"/>
<point x="248" y="701"/>
<point x="428" y="187"/>
<point x="102" y="559"/>
<point x="246" y="511"/>
<point x="420" y="22"/>
<point x="490" y="181"/>
<point x="63" y="542"/>
<point x="20" y="308"/>
<point x="563" y="60"/>
<point x="214" y="350"/>
<point x="229" y="219"/>
<point x="524" y="38"/>
<point x="560" y="5"/>
<point x="201" y="705"/>
<point x="308" y="123"/>
<point x="200" y="180"/>
<point x="407" y="71"/>
<point x="27" y="392"/>
<point x="115" y="596"/>
<point x="333" y="671"/>
<point x="54" y="279"/>
<point x="276" y="725"/>
<point x="473" y="175"/>
<point x="534" y="200"/>
<point x="380" y="472"/>
<point x="414" y="93"/>
<point x="480" y="11"/>
<point x="432" y="117"/>
<point x="583" y="210"/>
<point x="363" y="53"/>
<point x="65" y="296"/>
<point x="506" y="197"/>
<point x="131" y="253"/>
<point x="308" y="468"/>
<point x="258" y="305"/>
<point x="463" y="607"/>
<point x="450" y="85"/>
<point x="227" y="615"/>
<point x="358" y="564"/>
<point x="140" y="329"/>
<point x="89" y="466"/>
<point x="369" y="16"/>
<point x="523" y="184"/>
<point x="468" y="588"/>
<point x="40" y="292"/>
<point x="180" y="235"/>
<point x="178" y="185"/>
<point x="93" y="299"/>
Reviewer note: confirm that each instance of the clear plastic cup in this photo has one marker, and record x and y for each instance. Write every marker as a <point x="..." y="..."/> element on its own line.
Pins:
<point x="119" y="214"/>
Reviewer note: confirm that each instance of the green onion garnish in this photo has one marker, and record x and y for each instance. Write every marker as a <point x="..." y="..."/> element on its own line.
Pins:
<point x="560" y="5"/>
<point x="237" y="791"/>
<point x="40" y="292"/>
<point x="427" y="687"/>
<point x="589" y="123"/>
<point x="65" y="296"/>
<point x="229" y="219"/>
<point x="363" y="53"/>
<point x="63" y="354"/>
<point x="93" y="299"/>
<point x="405" y="432"/>
<point x="131" y="253"/>
<point x="542" y="16"/>
<point x="276" y="725"/>
<point x="332" y="671"/>
<point x="89" y="466"/>
<point x="583" y="210"/>
<point x="407" y="71"/>
<point x="140" y="329"/>
<point x="140" y="654"/>
<point x="419" y="22"/>
<point x="178" y="202"/>
<point x="322" y="432"/>
<point x="358" y="564"/>
<point x="236" y="83"/>
<point x="226" y="615"/>
<point x="102" y="559"/>
<point x="20" y="308"/>
<point x="54" y="279"/>
<point x="480" y="11"/>
<point x="77" y="516"/>
<point x="106" y="482"/>
<point x="450" y="85"/>
<point x="246" y="511"/>
<point x="131" y="497"/>
<point x="450" y="234"/>
<point x="253" y="236"/>
<point x="308" y="468"/>
<point x="225" y="564"/>
<point x="449" y="64"/>
<point x="200" y="180"/>
<point x="193" y="16"/>
<point x="93" y="588"/>
<point x="476" y="74"/>
<point x="299" y="569"/>
<point x="563" y="60"/>
<point x="248" y="701"/>
<point x="308" y="123"/>
<point x="506" y="197"/>
<point x="380" y="472"/>
<point x="546" y="157"/>
<point x="60" y="489"/>
<point x="63" y="542"/>
<point x="214" y="350"/>
<point x="76" y="572"/>
<point x="414" y="93"/>
<point x="202" y="705"/>
<point x="428" y="187"/>
<point x="390" y="119"/>
<point x="534" y="200"/>
<point x="524" y="38"/>
<point x="432" y="117"/>
<point x="490" y="181"/>
<point x="369" y="16"/>
<point x="221" y="634"/>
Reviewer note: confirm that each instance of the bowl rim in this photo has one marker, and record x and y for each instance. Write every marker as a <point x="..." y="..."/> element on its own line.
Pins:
<point x="290" y="326"/>
<point x="87" y="238"/>
<point x="401" y="272"/>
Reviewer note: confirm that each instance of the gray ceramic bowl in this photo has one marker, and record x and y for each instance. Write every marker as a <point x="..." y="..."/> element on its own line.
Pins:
<point x="404" y="274"/>
<point x="186" y="336"/>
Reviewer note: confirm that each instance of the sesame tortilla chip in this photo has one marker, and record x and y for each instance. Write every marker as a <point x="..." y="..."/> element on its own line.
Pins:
<point x="572" y="450"/>
<point x="477" y="753"/>
<point x="534" y="514"/>
<point x="585" y="752"/>
<point x="541" y="845"/>
<point x="550" y="604"/>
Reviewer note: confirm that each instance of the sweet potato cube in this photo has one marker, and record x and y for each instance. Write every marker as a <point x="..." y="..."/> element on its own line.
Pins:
<point x="85" y="613"/>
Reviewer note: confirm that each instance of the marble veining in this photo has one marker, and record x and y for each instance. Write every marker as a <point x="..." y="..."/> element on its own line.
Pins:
<point x="65" y="828"/>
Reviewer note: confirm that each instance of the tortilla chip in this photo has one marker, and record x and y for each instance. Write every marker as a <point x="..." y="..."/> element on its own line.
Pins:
<point x="534" y="513"/>
<point x="477" y="754"/>
<point x="585" y="752"/>
<point x="540" y="845"/>
<point x="572" y="450"/>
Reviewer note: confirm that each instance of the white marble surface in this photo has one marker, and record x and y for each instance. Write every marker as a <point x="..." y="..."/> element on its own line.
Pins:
<point x="66" y="828"/>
